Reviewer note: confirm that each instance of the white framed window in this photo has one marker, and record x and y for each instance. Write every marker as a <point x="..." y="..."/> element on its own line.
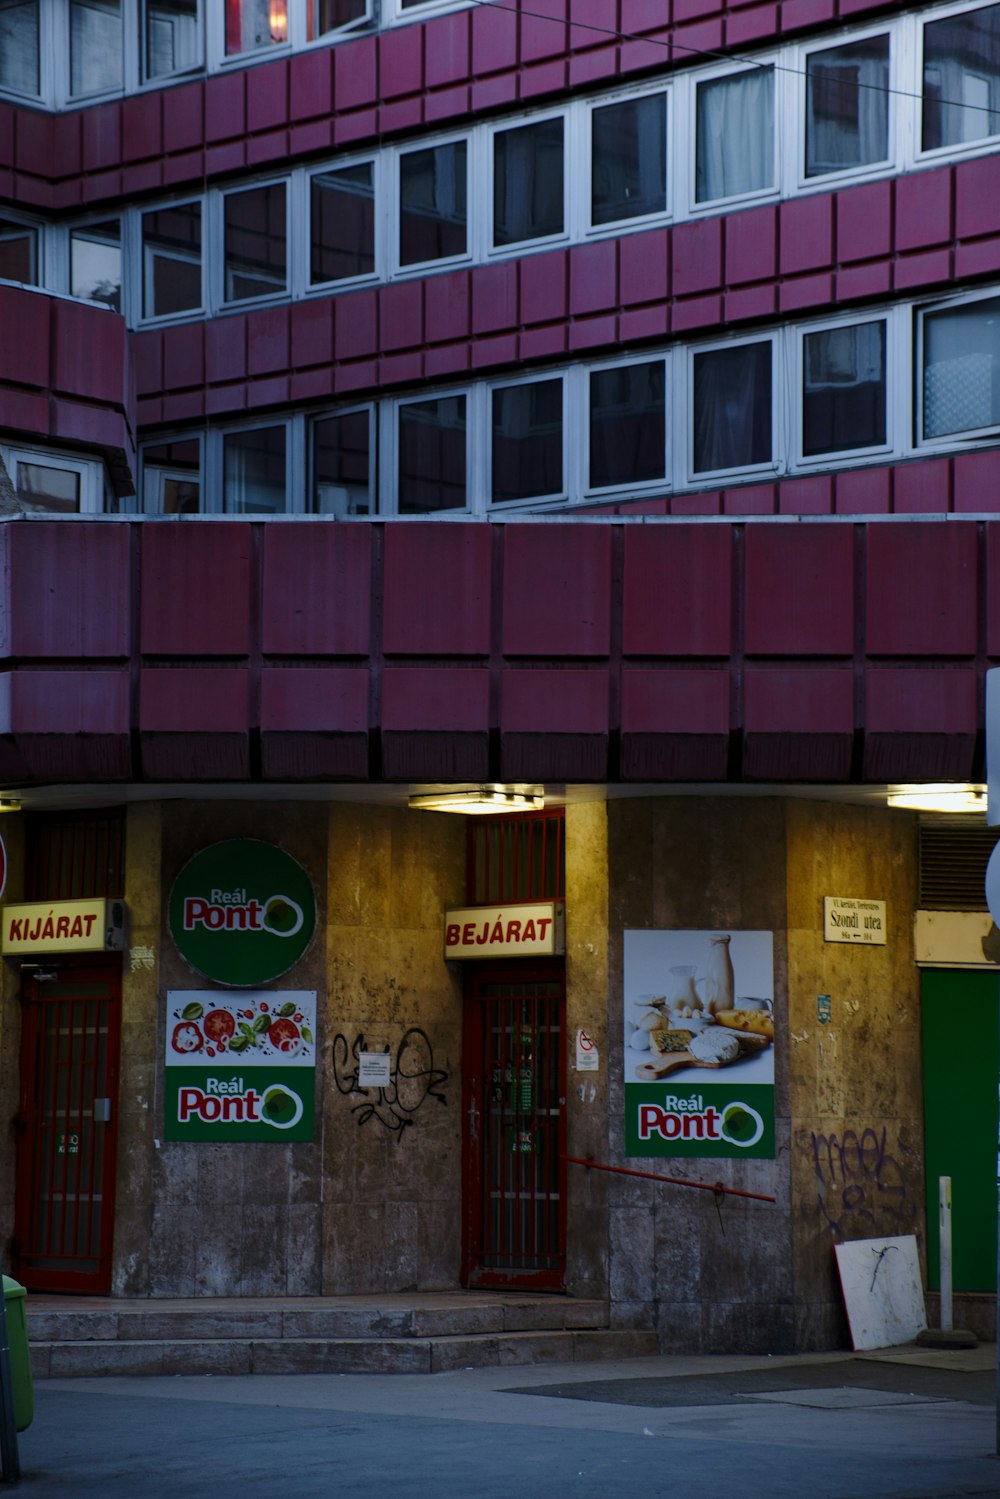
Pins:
<point x="431" y="204"/>
<point x="256" y="477"/>
<point x="170" y="477"/>
<point x="849" y="108"/>
<point x="54" y="483"/>
<point x="845" y="384"/>
<point x="960" y="78"/>
<point x="527" y="440"/>
<point x="254" y="243"/>
<point x="20" y="251"/>
<point x="95" y="262"/>
<point x="20" y="60"/>
<point x="253" y="26"/>
<point x="429" y="468"/>
<point x="171" y="39"/>
<point x="732" y="408"/>
<point x="528" y="177"/>
<point x="958" y="369"/>
<point x="96" y="48"/>
<point x="627" y="153"/>
<point x="171" y="251"/>
<point x="627" y="420"/>
<point x="344" y="229"/>
<point x="733" y="131"/>
<point x="342" y="462"/>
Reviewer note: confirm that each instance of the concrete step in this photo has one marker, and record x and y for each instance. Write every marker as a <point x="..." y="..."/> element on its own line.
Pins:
<point x="413" y="1334"/>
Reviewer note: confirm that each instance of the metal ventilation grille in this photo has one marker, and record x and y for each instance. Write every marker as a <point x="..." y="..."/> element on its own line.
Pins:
<point x="953" y="859"/>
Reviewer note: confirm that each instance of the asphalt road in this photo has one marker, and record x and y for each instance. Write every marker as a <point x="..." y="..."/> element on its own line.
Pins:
<point x="832" y="1427"/>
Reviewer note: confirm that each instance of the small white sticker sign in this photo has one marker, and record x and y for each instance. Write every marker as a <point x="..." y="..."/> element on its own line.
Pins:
<point x="587" y="1056"/>
<point x="849" y="919"/>
<point x="374" y="1069"/>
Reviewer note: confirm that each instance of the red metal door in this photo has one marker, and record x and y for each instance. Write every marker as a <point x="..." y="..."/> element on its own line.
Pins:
<point x="64" y="1208"/>
<point x="515" y="1109"/>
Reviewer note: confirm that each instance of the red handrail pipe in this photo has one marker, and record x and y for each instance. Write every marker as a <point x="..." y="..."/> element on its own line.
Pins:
<point x="674" y="1181"/>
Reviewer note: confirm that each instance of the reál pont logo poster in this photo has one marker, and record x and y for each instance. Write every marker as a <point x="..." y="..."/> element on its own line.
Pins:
<point x="699" y="1043"/>
<point x="240" y="1067"/>
<point x="242" y="912"/>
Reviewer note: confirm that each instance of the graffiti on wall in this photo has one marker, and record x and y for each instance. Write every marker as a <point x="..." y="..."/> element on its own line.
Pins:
<point x="413" y="1078"/>
<point x="863" y="1188"/>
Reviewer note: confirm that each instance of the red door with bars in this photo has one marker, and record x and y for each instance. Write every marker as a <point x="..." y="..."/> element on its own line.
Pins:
<point x="67" y="1147"/>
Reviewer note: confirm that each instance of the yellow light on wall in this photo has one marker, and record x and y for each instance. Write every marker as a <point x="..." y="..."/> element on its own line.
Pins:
<point x="480" y="800"/>
<point x="949" y="796"/>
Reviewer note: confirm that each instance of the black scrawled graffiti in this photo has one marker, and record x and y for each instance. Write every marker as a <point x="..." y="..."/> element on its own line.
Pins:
<point x="413" y="1078"/>
<point x="861" y="1189"/>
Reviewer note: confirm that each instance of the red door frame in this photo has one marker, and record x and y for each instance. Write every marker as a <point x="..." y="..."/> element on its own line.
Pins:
<point x="50" y="1170"/>
<point x="548" y="1273"/>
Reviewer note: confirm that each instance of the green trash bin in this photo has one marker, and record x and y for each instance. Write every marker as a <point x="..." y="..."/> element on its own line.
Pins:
<point x="14" y="1296"/>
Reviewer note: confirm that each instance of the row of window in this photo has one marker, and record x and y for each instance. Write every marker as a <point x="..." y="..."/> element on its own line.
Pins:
<point x="597" y="166"/>
<point x="797" y="399"/>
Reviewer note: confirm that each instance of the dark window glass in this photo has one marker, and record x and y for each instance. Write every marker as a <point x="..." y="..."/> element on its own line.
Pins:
<point x="962" y="368"/>
<point x="627" y="425"/>
<point x="255" y="243"/>
<point x="629" y="159"/>
<point x="95" y="263"/>
<point x="255" y="24"/>
<point x="847" y="106"/>
<point x="254" y="472"/>
<point x="18" y="252"/>
<point x="342" y="224"/>
<point x="527" y="451"/>
<point x="732" y="407"/>
<point x="170" y="478"/>
<point x="432" y="458"/>
<point x="432" y="207"/>
<point x="19" y="46"/>
<point x="331" y="15"/>
<point x="171" y="37"/>
<point x="41" y="486"/>
<point x="95" y="46"/>
<point x="528" y="182"/>
<point x="735" y="135"/>
<point x="843" y="389"/>
<point x="171" y="260"/>
<point x="961" y="78"/>
<point x="341" y="464"/>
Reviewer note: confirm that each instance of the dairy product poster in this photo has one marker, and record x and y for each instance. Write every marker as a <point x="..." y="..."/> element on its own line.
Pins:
<point x="699" y="1043"/>
<point x="240" y="1066"/>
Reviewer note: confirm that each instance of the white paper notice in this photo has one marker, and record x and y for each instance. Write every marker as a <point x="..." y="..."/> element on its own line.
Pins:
<point x="374" y="1069"/>
<point x="587" y="1058"/>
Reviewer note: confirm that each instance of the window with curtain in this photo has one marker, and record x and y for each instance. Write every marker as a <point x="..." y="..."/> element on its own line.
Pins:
<point x="256" y="261"/>
<point x="961" y="99"/>
<point x="342" y="223"/>
<point x="847" y="106"/>
<point x="18" y="252"/>
<point x="19" y="46"/>
<point x="254" y="24"/>
<point x="628" y="425"/>
<point x="961" y="368"/>
<point x="731" y="400"/>
<point x="843" y="389"/>
<point x="433" y="214"/>
<point x="527" y="441"/>
<point x="171" y="477"/>
<point x="528" y="175"/>
<point x="253" y="472"/>
<point x="95" y="46"/>
<point x="171" y="260"/>
<point x="171" y="37"/>
<point x="432" y="456"/>
<point x="734" y="146"/>
<point x="342" y="456"/>
<point x="629" y="159"/>
<point x="95" y="263"/>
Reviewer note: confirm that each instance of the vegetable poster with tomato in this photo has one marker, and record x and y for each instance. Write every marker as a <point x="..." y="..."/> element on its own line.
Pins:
<point x="240" y="1066"/>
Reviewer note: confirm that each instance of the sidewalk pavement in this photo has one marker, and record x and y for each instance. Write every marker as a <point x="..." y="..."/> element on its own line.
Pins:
<point x="901" y="1424"/>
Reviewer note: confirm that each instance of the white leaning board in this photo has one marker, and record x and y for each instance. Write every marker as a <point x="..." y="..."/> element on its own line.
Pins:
<point x="883" y="1293"/>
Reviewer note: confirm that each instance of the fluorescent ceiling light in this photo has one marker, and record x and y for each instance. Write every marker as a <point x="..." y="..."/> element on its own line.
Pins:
<point x="10" y="804"/>
<point x="954" y="796"/>
<point x="481" y="800"/>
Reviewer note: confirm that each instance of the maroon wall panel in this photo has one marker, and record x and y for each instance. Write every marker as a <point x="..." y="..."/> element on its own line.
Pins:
<point x="920" y="724"/>
<point x="798" y="723"/>
<point x="921" y="589"/>
<point x="556" y="590"/>
<point x="799" y="591"/>
<point x="193" y="723"/>
<point x="317" y="590"/>
<point x="435" y="723"/>
<point x="71" y="725"/>
<point x="195" y="589"/>
<point x="678" y="590"/>
<point x="554" y="725"/>
<point x="437" y="589"/>
<point x="314" y="723"/>
<point x="68" y="590"/>
<point x="675" y="725"/>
